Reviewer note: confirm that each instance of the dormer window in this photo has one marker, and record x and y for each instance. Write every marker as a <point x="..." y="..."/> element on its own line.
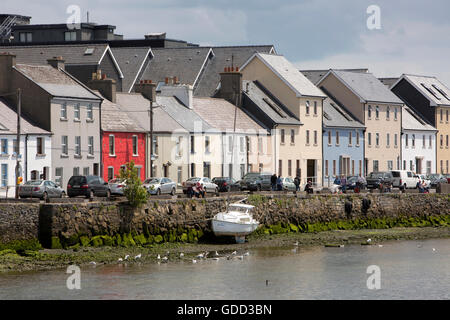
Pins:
<point x="70" y="36"/>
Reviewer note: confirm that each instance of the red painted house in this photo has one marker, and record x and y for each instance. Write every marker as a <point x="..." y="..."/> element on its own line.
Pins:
<point x="123" y="141"/>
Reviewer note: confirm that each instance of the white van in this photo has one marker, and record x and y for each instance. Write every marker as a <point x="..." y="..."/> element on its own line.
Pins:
<point x="404" y="179"/>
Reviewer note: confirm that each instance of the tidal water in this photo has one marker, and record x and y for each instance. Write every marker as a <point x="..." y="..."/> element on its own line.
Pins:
<point x="408" y="270"/>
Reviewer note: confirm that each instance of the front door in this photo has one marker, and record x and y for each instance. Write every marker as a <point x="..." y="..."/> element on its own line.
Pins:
<point x="418" y="166"/>
<point x="311" y="171"/>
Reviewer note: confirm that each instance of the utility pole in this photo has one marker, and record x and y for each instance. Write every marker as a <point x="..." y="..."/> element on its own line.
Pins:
<point x="18" y="167"/>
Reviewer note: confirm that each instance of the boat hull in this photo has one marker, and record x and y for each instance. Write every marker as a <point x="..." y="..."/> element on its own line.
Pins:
<point x="226" y="228"/>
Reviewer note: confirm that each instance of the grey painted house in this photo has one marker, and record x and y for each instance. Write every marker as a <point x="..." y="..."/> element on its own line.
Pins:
<point x="60" y="104"/>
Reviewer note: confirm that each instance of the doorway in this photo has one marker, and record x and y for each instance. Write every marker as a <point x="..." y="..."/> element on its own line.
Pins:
<point x="311" y="171"/>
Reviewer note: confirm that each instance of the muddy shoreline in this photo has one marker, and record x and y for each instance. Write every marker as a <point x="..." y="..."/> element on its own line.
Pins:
<point x="49" y="259"/>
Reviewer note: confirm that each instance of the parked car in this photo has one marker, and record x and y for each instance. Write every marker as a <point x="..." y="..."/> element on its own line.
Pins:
<point x="88" y="186"/>
<point x="352" y="183"/>
<point x="206" y="183"/>
<point x="287" y="184"/>
<point x="226" y="184"/>
<point x="404" y="179"/>
<point x="436" y="178"/>
<point x="255" y="181"/>
<point x="42" y="189"/>
<point x="448" y="177"/>
<point x="375" y="179"/>
<point x="426" y="182"/>
<point x="117" y="186"/>
<point x="157" y="186"/>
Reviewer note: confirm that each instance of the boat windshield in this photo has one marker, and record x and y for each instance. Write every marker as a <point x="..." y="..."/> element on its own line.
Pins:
<point x="239" y="208"/>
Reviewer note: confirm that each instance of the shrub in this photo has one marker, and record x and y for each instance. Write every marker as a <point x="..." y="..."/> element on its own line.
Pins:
<point x="134" y="191"/>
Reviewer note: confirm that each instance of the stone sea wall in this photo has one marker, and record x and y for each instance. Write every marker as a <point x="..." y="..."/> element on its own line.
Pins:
<point x="58" y="225"/>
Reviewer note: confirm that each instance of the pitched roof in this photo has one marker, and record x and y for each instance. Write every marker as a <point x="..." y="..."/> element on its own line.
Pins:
<point x="316" y="75"/>
<point x="8" y="122"/>
<point x="366" y="86"/>
<point x="268" y="105"/>
<point x="430" y="87"/>
<point x="336" y="116"/>
<point x="222" y="57"/>
<point x="184" y="63"/>
<point x="56" y="82"/>
<point x="137" y="107"/>
<point x="289" y="74"/>
<point x="412" y="121"/>
<point x="388" y="82"/>
<point x="115" y="118"/>
<point x="131" y="61"/>
<point x="73" y="54"/>
<point x="221" y="114"/>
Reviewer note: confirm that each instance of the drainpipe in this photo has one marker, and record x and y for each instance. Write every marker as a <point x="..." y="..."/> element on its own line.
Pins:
<point x="275" y="149"/>
<point x="26" y="157"/>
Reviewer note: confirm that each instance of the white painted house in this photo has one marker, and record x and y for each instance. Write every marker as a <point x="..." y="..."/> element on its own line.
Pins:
<point x="35" y="151"/>
<point x="418" y="143"/>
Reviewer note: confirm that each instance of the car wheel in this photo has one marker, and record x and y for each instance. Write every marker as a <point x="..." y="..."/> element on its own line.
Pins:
<point x="63" y="195"/>
<point x="158" y="192"/>
<point x="258" y="188"/>
<point x="216" y="190"/>
<point x="173" y="192"/>
<point x="228" y="189"/>
<point x="91" y="194"/>
<point x="108" y="194"/>
<point x="45" y="196"/>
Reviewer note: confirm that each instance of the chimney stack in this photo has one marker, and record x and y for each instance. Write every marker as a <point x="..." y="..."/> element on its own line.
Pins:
<point x="7" y="61"/>
<point x="230" y="85"/>
<point x="183" y="92"/>
<point x="57" y="63"/>
<point x="107" y="87"/>
<point x="147" y="89"/>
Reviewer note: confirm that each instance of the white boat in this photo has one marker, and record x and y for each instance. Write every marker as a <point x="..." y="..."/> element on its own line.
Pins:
<point x="237" y="221"/>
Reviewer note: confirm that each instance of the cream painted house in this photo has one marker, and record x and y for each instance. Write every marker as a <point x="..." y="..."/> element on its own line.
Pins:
<point x="372" y="104"/>
<point x="297" y="140"/>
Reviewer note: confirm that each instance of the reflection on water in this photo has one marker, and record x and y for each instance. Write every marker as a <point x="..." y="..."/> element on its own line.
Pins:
<point x="409" y="270"/>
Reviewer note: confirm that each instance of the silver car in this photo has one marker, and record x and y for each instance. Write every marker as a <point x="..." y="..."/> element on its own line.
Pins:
<point x="288" y="184"/>
<point x="42" y="189"/>
<point x="116" y="186"/>
<point x="206" y="182"/>
<point x="157" y="186"/>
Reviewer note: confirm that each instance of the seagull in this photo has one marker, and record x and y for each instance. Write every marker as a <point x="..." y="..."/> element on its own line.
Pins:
<point x="181" y="255"/>
<point x="138" y="256"/>
<point x="194" y="261"/>
<point x="296" y="243"/>
<point x="341" y="246"/>
<point x="369" y="240"/>
<point x="234" y="252"/>
<point x="126" y="257"/>
<point x="200" y="256"/>
<point x="164" y="259"/>
<point x="434" y="249"/>
<point x="217" y="253"/>
<point x="240" y="257"/>
<point x="380" y="245"/>
<point x="206" y="254"/>
<point x="120" y="260"/>
<point x="246" y="254"/>
<point x="93" y="263"/>
<point x="159" y="257"/>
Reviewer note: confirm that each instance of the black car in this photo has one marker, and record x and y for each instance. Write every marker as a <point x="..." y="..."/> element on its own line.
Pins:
<point x="254" y="181"/>
<point x="226" y="184"/>
<point x="375" y="179"/>
<point x="352" y="183"/>
<point x="436" y="178"/>
<point x="88" y="186"/>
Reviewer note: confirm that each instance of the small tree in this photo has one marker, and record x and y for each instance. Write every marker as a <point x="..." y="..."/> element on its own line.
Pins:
<point x="133" y="190"/>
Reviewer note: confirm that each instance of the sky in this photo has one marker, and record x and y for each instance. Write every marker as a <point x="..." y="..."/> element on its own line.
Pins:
<point x="313" y="34"/>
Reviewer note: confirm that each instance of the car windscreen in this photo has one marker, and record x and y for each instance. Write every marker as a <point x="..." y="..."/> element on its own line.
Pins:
<point x="376" y="175"/>
<point x="193" y="180"/>
<point x="33" y="183"/>
<point x="77" y="180"/>
<point x="396" y="174"/>
<point x="151" y="181"/>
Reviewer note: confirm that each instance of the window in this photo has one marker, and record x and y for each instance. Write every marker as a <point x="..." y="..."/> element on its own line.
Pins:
<point x="329" y="138"/>
<point x="442" y="141"/>
<point x="337" y="138"/>
<point x="315" y="108"/>
<point x="260" y="167"/>
<point x="91" y="145"/>
<point x="40" y="146"/>
<point x="155" y="145"/>
<point x="377" y="112"/>
<point x="411" y="167"/>
<point x="390" y="165"/>
<point x="76" y="171"/>
<point x="334" y="167"/>
<point x="357" y="138"/>
<point x="207" y="169"/>
<point x="289" y="168"/>
<point x="315" y="137"/>
<point x="179" y="174"/>
<point x="138" y="173"/>
<point x="297" y="169"/>
<point x="423" y="142"/>
<point x="76" y="112"/>
<point x="25" y="37"/>
<point x="248" y="143"/>
<point x="282" y="135"/>
<point x="64" y="111"/>
<point x="360" y="168"/>
<point x="70" y="36"/>
<point x="446" y="115"/>
<point x="375" y="166"/>
<point x="207" y="144"/>
<point x="369" y="138"/>
<point x="192" y="169"/>
<point x="230" y="170"/>
<point x="90" y="113"/>
<point x="230" y="143"/>
<point x="59" y="175"/>
<point x="413" y="141"/>
<point x="110" y="173"/>
<point x="428" y="167"/>
<point x="307" y="137"/>
<point x="280" y="167"/>
<point x="369" y="112"/>
<point x="4" y="146"/>
<point x="388" y="110"/>
<point x="404" y="164"/>
<point x="292" y="136"/>
<point x="395" y="140"/>
<point x="395" y="113"/>
<point x="406" y="140"/>
<point x="326" y="168"/>
<point x="260" y="145"/>
<point x="178" y="146"/>
<point x="430" y="141"/>
<point x="86" y="171"/>
<point x="307" y="108"/>
<point x="192" y="144"/>
<point x="135" y="145"/>
<point x="242" y="167"/>
<point x="78" y="146"/>
<point x="377" y="139"/>
<point x="112" y="148"/>
<point x="446" y="141"/>
<point x="349" y="138"/>
<point x="353" y="167"/>
<point x="442" y="166"/>
<point x="4" y="174"/>
<point x="446" y="165"/>
<point x="15" y="147"/>
<point x="442" y="114"/>
<point x="241" y="144"/>
<point x="388" y="138"/>
<point x="64" y="146"/>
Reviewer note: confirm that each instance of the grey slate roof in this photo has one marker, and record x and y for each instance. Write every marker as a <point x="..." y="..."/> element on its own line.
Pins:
<point x="72" y="54"/>
<point x="210" y="78"/>
<point x="268" y="105"/>
<point x="316" y="75"/>
<point x="336" y="116"/>
<point x="8" y="122"/>
<point x="412" y="121"/>
<point x="388" y="82"/>
<point x="57" y="83"/>
<point x="184" y="63"/>
<point x="116" y="119"/>
<point x="367" y="87"/>
<point x="131" y="60"/>
<point x="440" y="93"/>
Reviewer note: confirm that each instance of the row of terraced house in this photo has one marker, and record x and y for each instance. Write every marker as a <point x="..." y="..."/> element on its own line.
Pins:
<point x="216" y="111"/>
